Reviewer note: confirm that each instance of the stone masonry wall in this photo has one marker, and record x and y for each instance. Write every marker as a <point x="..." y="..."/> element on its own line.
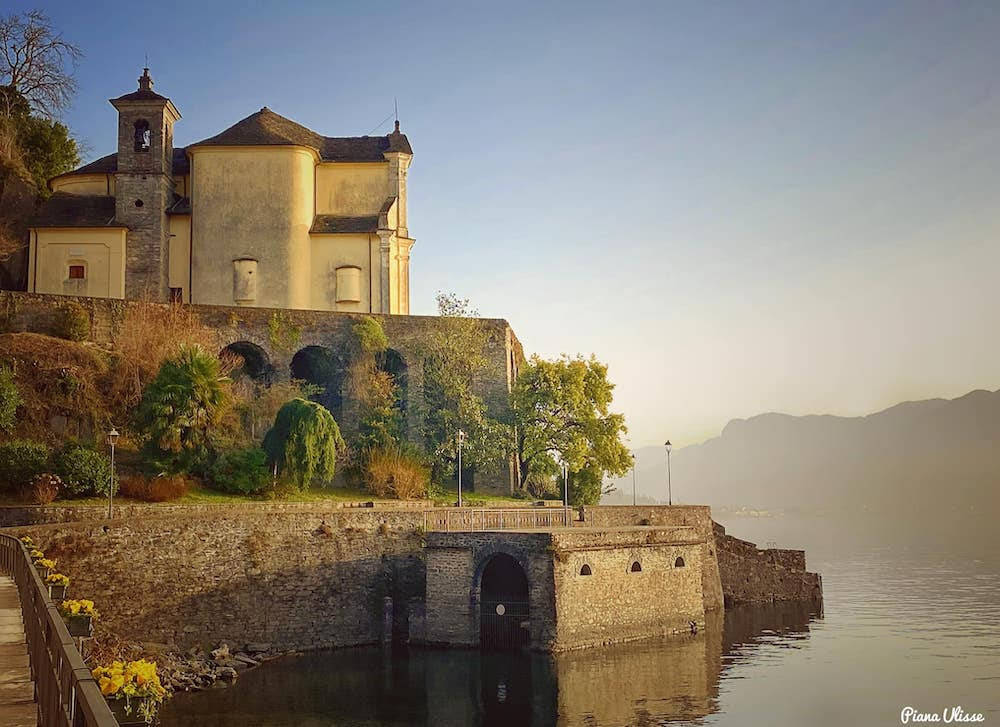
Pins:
<point x="454" y="568"/>
<point x="750" y="575"/>
<point x="616" y="604"/>
<point x="407" y="335"/>
<point x="268" y="575"/>
<point x="697" y="517"/>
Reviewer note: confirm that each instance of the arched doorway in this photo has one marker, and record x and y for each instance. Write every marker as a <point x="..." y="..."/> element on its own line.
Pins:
<point x="503" y="614"/>
<point x="319" y="366"/>
<point x="251" y="362"/>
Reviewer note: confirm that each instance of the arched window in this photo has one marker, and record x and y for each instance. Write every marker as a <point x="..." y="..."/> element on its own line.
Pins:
<point x="585" y="571"/>
<point x="142" y="135"/>
<point x="636" y="568"/>
<point x="679" y="563"/>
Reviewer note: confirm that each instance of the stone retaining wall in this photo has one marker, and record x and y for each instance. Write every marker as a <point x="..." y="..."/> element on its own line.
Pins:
<point x="300" y="578"/>
<point x="750" y="575"/>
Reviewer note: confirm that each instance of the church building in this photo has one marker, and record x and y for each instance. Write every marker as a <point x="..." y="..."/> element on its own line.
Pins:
<point x="266" y="213"/>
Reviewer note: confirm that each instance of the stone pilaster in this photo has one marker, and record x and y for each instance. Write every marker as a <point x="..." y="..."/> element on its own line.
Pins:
<point x="384" y="250"/>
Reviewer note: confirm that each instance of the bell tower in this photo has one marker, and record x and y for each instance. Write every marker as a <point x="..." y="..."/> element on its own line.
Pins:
<point x="144" y="186"/>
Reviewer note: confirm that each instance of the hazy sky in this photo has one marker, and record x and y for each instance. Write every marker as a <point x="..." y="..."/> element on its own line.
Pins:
<point x="740" y="207"/>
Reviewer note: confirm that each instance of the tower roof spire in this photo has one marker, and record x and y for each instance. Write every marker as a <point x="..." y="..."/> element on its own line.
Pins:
<point x="145" y="80"/>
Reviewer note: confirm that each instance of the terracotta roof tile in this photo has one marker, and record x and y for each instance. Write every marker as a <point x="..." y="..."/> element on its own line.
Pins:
<point x="333" y="225"/>
<point x="71" y="210"/>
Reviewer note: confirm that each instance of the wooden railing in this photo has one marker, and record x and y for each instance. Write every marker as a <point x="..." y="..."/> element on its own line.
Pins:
<point x="470" y="519"/>
<point x="65" y="690"/>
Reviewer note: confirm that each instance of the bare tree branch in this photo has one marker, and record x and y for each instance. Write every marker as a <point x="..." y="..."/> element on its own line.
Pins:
<point x="37" y="62"/>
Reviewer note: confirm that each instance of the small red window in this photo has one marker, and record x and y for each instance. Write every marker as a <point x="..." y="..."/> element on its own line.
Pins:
<point x="76" y="272"/>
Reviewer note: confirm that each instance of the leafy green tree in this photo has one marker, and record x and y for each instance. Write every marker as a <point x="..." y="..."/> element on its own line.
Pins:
<point x="302" y="445"/>
<point x="179" y="408"/>
<point x="380" y="418"/>
<point x="10" y="399"/>
<point x="561" y="410"/>
<point x="454" y="357"/>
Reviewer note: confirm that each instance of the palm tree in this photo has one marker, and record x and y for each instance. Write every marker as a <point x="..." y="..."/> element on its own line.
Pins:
<point x="180" y="406"/>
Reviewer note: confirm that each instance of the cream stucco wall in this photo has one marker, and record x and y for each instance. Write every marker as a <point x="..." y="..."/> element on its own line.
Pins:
<point x="179" y="255"/>
<point x="101" y="250"/>
<point x="252" y="202"/>
<point x="330" y="252"/>
<point x="101" y="185"/>
<point x="352" y="190"/>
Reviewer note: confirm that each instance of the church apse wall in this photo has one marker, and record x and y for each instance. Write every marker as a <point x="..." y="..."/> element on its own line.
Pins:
<point x="256" y="204"/>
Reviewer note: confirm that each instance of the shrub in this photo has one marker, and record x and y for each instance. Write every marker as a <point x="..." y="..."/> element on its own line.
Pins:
<point x="44" y="488"/>
<point x="393" y="472"/>
<point x="84" y="472"/>
<point x="303" y="443"/>
<point x="20" y="461"/>
<point x="10" y="398"/>
<point x="154" y="489"/>
<point x="243" y="472"/>
<point x="73" y="323"/>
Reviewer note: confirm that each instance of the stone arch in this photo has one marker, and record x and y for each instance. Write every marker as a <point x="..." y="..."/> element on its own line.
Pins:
<point x="636" y="567"/>
<point x="505" y="602"/>
<point x="256" y="364"/>
<point x="142" y="135"/>
<point x="321" y="367"/>
<point x="679" y="563"/>
<point x="585" y="570"/>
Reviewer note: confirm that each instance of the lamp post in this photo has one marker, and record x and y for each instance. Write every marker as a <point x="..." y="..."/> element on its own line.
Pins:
<point x="565" y="474"/>
<point x="112" y="439"/>
<point x="461" y="441"/>
<point x="633" y="479"/>
<point x="670" y="498"/>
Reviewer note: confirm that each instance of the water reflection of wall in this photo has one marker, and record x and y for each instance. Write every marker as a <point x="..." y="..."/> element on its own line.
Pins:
<point x="645" y="682"/>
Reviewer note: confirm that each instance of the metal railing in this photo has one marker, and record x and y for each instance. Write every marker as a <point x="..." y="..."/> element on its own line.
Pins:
<point x="65" y="691"/>
<point x="470" y="519"/>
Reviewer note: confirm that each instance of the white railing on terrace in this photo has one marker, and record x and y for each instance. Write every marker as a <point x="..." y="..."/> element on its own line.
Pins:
<point x="470" y="519"/>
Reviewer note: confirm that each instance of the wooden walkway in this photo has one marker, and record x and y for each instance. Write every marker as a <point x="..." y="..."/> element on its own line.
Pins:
<point x="17" y="707"/>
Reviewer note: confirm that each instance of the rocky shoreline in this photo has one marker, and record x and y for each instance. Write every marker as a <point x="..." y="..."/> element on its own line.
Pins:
<point x="195" y="669"/>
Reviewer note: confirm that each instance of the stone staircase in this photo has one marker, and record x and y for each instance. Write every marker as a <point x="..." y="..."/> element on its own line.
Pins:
<point x="17" y="706"/>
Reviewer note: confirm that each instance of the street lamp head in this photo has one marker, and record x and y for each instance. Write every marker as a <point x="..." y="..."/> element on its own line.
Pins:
<point x="113" y="436"/>
<point x="668" y="445"/>
<point x="461" y="437"/>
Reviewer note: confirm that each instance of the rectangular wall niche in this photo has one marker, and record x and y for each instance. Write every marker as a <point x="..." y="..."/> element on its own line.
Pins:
<point x="244" y="280"/>
<point x="349" y="284"/>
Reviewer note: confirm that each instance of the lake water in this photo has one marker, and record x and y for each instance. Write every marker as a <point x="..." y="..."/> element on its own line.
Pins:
<point x="911" y="617"/>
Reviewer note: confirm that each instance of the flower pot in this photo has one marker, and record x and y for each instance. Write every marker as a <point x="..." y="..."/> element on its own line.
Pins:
<point x="57" y="593"/>
<point x="126" y="718"/>
<point x="80" y="625"/>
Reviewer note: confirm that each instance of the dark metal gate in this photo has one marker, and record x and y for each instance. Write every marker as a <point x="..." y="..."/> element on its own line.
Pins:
<point x="504" y="624"/>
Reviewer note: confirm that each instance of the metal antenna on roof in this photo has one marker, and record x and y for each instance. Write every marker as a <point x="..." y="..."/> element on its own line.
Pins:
<point x="395" y="107"/>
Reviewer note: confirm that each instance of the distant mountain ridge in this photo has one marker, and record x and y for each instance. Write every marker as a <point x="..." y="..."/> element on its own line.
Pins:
<point x="913" y="454"/>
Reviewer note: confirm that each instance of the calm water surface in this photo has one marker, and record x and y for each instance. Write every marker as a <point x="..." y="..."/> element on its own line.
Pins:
<point x="911" y="617"/>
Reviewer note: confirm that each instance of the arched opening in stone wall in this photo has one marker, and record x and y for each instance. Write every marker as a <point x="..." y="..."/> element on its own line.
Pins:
<point x="503" y="604"/>
<point x="321" y="367"/>
<point x="679" y="563"/>
<point x="636" y="568"/>
<point x="251" y="361"/>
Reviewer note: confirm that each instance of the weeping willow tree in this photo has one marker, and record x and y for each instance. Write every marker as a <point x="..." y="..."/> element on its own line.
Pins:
<point x="302" y="445"/>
